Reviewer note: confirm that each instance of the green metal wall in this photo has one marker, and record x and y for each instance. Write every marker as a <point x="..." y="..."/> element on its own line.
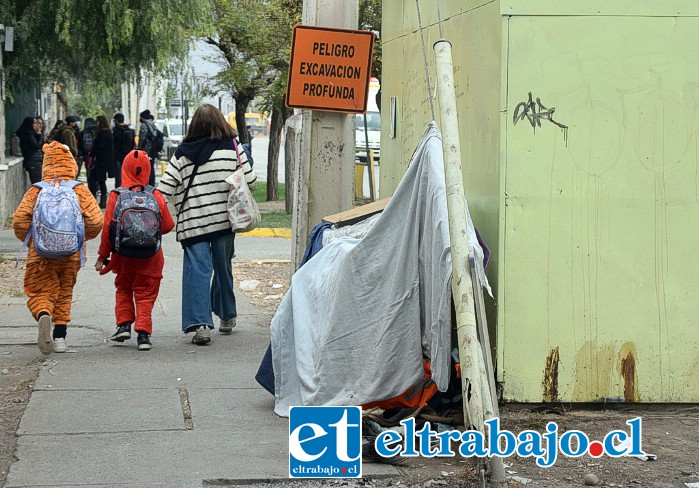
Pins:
<point x="473" y="27"/>
<point x="589" y="196"/>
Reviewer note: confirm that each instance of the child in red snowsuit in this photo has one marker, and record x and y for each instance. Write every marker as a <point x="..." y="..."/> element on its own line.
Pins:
<point x="138" y="279"/>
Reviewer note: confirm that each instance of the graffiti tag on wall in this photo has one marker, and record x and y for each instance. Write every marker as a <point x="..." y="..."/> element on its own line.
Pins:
<point x="535" y="112"/>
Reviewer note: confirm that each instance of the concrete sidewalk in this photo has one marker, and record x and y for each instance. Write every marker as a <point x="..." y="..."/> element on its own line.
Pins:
<point x="181" y="415"/>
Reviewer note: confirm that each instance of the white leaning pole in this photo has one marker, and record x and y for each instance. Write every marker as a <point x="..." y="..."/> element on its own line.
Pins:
<point x="477" y="404"/>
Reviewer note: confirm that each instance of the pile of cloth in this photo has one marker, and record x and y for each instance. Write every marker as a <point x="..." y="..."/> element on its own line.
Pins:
<point x="368" y="318"/>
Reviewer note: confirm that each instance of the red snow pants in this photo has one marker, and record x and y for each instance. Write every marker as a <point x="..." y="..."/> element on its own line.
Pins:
<point x="135" y="296"/>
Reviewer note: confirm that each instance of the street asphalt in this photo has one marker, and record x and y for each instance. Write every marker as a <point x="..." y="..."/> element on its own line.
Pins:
<point x="107" y="415"/>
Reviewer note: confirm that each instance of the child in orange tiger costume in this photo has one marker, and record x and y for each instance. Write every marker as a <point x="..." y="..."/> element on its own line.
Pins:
<point x="48" y="283"/>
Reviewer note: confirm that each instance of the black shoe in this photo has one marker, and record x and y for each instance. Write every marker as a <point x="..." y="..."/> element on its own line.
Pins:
<point x="123" y="333"/>
<point x="144" y="342"/>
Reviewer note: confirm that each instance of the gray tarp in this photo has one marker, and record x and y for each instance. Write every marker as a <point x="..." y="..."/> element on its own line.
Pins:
<point x="358" y="316"/>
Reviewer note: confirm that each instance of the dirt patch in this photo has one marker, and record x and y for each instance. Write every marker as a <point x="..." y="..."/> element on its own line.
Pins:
<point x="11" y="278"/>
<point x="273" y="278"/>
<point x="671" y="433"/>
<point x="19" y="367"/>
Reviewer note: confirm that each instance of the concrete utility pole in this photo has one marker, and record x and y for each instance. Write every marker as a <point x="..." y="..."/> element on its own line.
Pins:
<point x="324" y="172"/>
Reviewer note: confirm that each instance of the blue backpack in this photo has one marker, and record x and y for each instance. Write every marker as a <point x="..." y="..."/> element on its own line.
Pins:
<point x="57" y="228"/>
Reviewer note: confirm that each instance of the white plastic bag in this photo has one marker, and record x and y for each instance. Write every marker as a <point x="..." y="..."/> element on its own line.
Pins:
<point x="242" y="208"/>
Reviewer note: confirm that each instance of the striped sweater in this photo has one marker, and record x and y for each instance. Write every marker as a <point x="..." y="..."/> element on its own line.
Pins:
<point x="204" y="215"/>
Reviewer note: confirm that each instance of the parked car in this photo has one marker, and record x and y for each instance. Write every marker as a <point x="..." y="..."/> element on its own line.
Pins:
<point x="173" y="132"/>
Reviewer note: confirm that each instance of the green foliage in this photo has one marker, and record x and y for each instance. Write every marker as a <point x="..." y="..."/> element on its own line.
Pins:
<point x="275" y="220"/>
<point x="260" y="192"/>
<point x="92" y="99"/>
<point x="254" y="37"/>
<point x="370" y="19"/>
<point x="272" y="219"/>
<point x="106" y="42"/>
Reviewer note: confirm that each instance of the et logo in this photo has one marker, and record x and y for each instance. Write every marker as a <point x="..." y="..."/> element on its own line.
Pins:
<point x="325" y="442"/>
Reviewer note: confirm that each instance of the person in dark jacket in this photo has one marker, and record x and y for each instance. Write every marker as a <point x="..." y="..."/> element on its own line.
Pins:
<point x="146" y="140"/>
<point x="86" y="139"/>
<point x="124" y="143"/>
<point x="66" y="134"/>
<point x="103" y="151"/>
<point x="31" y="139"/>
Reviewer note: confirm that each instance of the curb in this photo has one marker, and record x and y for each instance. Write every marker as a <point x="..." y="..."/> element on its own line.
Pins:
<point x="268" y="232"/>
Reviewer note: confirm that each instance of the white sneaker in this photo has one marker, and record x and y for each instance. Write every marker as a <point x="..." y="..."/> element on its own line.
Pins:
<point x="227" y="326"/>
<point x="43" y="340"/>
<point x="202" y="336"/>
<point x="59" y="344"/>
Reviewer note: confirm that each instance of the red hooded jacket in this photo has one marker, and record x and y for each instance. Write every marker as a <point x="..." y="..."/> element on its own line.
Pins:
<point x="135" y="170"/>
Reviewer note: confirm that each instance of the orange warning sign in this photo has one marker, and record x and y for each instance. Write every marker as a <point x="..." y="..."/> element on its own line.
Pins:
<point x="329" y="69"/>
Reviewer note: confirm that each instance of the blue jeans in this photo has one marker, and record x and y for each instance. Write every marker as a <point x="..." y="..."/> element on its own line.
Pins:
<point x="202" y="295"/>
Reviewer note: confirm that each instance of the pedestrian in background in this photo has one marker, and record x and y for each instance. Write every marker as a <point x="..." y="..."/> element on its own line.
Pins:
<point x="249" y="136"/>
<point x="53" y="135"/>
<point x="31" y="139"/>
<point x="124" y="143"/>
<point x="41" y="128"/>
<point x="86" y="141"/>
<point x="65" y="134"/>
<point x="48" y="283"/>
<point x="196" y="176"/>
<point x="103" y="151"/>
<point x="146" y="140"/>
<point x="138" y="279"/>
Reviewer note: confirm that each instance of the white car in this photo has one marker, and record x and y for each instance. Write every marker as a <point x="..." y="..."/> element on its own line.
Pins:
<point x="173" y="132"/>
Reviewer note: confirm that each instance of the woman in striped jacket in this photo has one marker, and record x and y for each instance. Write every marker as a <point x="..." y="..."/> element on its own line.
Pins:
<point x="196" y="177"/>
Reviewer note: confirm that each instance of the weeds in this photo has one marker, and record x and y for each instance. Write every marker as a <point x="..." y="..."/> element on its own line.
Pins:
<point x="260" y="192"/>
<point x="275" y="220"/>
<point x="27" y="384"/>
<point x="535" y="421"/>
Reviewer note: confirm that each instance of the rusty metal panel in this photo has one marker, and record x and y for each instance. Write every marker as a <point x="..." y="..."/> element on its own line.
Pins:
<point x="601" y="217"/>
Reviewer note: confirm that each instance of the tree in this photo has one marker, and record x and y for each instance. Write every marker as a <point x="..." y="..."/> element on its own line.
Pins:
<point x="370" y="19"/>
<point x="91" y="99"/>
<point x="254" y="37"/>
<point x="282" y="18"/>
<point x="240" y="34"/>
<point x="106" y="42"/>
